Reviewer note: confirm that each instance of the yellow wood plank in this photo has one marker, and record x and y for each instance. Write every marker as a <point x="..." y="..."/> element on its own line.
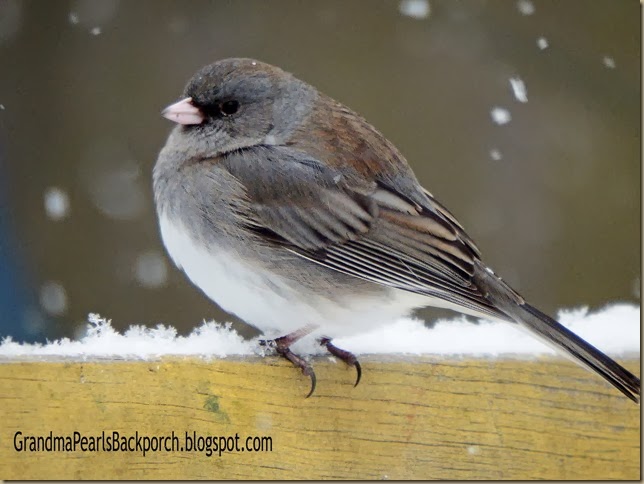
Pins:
<point x="409" y="418"/>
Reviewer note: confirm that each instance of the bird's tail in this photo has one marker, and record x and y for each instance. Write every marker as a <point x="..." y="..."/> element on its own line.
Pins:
<point x="582" y="352"/>
<point x="556" y="335"/>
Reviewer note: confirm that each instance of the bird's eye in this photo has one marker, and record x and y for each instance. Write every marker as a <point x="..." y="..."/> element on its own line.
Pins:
<point x="229" y="108"/>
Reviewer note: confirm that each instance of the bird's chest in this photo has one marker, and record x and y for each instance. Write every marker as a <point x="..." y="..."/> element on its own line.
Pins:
<point x="278" y="301"/>
<point x="237" y="285"/>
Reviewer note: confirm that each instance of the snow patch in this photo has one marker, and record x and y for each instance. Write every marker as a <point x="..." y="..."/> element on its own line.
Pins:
<point x="518" y="89"/>
<point x="614" y="330"/>
<point x="418" y="9"/>
<point x="500" y="116"/>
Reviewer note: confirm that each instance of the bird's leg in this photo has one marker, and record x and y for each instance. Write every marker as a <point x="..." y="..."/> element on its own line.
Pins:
<point x="344" y="355"/>
<point x="282" y="345"/>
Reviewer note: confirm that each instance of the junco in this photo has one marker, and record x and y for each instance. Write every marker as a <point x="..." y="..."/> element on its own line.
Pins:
<point x="294" y="213"/>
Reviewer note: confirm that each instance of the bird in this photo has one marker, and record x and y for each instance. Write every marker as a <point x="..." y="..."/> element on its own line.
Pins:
<point x="291" y="211"/>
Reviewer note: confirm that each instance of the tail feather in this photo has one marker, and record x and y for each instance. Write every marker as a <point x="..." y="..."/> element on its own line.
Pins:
<point x="584" y="353"/>
<point x="553" y="333"/>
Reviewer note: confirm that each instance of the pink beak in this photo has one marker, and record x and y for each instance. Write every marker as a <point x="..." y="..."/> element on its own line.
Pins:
<point x="183" y="112"/>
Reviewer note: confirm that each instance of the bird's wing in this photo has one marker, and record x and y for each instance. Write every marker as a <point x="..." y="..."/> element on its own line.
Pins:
<point x="375" y="232"/>
<point x="371" y="231"/>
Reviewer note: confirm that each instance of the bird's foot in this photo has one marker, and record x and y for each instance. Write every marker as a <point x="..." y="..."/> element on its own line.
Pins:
<point x="344" y="355"/>
<point x="282" y="345"/>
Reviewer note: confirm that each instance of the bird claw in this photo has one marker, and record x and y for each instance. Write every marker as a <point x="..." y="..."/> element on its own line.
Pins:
<point x="300" y="363"/>
<point x="311" y="375"/>
<point x="281" y="347"/>
<point x="344" y="355"/>
<point x="359" y="373"/>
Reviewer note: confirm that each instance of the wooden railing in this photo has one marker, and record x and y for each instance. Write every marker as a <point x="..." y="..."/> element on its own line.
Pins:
<point x="420" y="418"/>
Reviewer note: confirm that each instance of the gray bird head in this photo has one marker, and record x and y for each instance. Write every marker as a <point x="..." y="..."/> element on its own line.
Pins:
<point x="234" y="104"/>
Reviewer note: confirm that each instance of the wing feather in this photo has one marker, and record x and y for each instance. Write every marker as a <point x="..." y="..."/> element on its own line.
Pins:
<point x="372" y="232"/>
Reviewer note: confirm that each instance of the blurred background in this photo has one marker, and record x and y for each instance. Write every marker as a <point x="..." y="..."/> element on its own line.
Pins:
<point x="522" y="117"/>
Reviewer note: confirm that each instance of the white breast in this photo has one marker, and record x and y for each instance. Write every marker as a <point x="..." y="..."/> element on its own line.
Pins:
<point x="271" y="303"/>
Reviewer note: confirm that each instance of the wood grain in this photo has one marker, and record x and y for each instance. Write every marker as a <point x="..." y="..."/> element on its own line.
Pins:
<point x="410" y="418"/>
